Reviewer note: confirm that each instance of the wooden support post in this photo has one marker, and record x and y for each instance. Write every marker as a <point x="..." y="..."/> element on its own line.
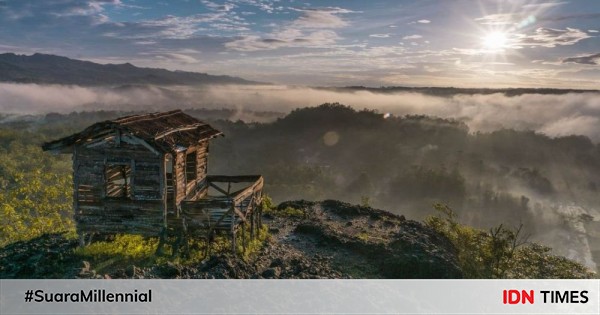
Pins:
<point x="161" y="242"/>
<point x="252" y="224"/>
<point x="163" y="187"/>
<point x="91" y="238"/>
<point x="209" y="240"/>
<point x="259" y="218"/>
<point x="244" y="237"/>
<point x="233" y="243"/>
<point x="81" y="239"/>
<point x="76" y="196"/>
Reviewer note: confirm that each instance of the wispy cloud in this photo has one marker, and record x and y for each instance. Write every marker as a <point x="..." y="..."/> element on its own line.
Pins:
<point x="179" y="27"/>
<point x="313" y="28"/>
<point x="228" y="6"/>
<point x="268" y="6"/>
<point x="181" y="58"/>
<point x="422" y="21"/>
<point x="287" y="38"/>
<point x="380" y="35"/>
<point x="593" y="59"/>
<point x="321" y="18"/>
<point x="543" y="5"/>
<point x="500" y="19"/>
<point x="518" y="18"/>
<point x="549" y="37"/>
<point x="415" y="36"/>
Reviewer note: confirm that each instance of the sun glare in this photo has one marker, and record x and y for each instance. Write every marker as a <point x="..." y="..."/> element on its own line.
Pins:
<point x="495" y="40"/>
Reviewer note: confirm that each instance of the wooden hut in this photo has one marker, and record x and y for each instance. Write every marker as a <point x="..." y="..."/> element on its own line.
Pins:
<point x="147" y="174"/>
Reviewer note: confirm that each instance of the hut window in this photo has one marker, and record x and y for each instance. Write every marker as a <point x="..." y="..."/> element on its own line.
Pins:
<point x="190" y="166"/>
<point x="118" y="180"/>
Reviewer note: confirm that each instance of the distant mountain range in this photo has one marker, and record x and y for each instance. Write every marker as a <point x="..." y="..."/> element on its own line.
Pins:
<point x="450" y="91"/>
<point x="51" y="69"/>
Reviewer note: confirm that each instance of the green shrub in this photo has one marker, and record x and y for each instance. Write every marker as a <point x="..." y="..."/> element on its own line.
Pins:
<point x="35" y="194"/>
<point x="501" y="252"/>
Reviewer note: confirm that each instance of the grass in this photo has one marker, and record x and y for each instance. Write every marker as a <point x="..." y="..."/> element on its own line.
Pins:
<point x="126" y="250"/>
<point x="269" y="208"/>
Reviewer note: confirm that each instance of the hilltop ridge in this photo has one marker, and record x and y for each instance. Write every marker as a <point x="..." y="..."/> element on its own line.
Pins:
<point x="327" y="239"/>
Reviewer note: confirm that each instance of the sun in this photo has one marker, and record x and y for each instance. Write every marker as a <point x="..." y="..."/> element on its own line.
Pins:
<point x="495" y="40"/>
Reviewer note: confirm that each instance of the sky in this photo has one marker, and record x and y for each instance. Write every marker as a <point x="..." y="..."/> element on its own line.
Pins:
<point x="462" y="43"/>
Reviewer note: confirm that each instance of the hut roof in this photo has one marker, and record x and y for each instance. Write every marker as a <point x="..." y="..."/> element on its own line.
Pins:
<point x="163" y="131"/>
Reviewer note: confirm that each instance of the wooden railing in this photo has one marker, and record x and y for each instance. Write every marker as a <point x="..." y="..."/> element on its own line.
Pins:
<point x="225" y="209"/>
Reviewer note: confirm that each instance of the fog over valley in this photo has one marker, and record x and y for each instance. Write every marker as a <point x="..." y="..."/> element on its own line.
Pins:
<point x="551" y="114"/>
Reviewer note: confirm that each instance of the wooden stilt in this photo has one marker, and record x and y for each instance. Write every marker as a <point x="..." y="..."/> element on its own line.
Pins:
<point x="233" y="240"/>
<point x="161" y="242"/>
<point x="81" y="239"/>
<point x="90" y="238"/>
<point x="244" y="237"/>
<point x="207" y="249"/>
<point x="252" y="224"/>
<point x="177" y="245"/>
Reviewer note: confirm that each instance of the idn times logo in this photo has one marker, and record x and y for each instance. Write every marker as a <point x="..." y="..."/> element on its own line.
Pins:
<point x="548" y="296"/>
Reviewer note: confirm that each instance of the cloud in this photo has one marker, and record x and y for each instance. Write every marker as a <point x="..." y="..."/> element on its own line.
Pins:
<point x="287" y="38"/>
<point x="499" y="19"/>
<point x="145" y="42"/>
<point x="528" y="16"/>
<point x="263" y="5"/>
<point x="549" y="37"/>
<point x="585" y="60"/>
<point x="219" y="7"/>
<point x="570" y="17"/>
<point x="543" y="5"/>
<point x="412" y="37"/>
<point x="380" y="35"/>
<point x="423" y="21"/>
<point x="181" y="58"/>
<point x="321" y="18"/>
<point x="313" y="28"/>
<point x="175" y="27"/>
<point x="50" y="10"/>
<point x="593" y="31"/>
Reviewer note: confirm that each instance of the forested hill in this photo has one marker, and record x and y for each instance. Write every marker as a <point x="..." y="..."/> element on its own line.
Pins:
<point x="406" y="164"/>
<point x="51" y="69"/>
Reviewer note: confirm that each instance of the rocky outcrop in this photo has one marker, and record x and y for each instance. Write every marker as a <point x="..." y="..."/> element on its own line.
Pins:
<point x="328" y="239"/>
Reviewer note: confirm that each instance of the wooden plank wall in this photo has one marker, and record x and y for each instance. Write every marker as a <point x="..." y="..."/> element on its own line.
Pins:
<point x="179" y="175"/>
<point x="142" y="212"/>
<point x="95" y="213"/>
<point x="183" y="188"/>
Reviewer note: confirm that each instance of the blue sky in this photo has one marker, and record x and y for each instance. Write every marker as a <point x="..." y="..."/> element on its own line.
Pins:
<point x="466" y="43"/>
